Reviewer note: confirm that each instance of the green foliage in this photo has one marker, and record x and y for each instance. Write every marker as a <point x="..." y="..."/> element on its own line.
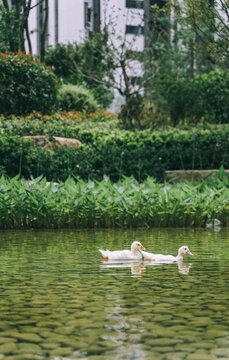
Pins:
<point x="9" y="38"/>
<point x="25" y="85"/>
<point x="89" y="63"/>
<point x="66" y="124"/>
<point x="141" y="112"/>
<point x="64" y="59"/>
<point x="132" y="111"/>
<point x="174" y="57"/>
<point x="209" y="22"/>
<point x="127" y="203"/>
<point x="205" y="98"/>
<point x="115" y="154"/>
<point x="75" y="97"/>
<point x="209" y="98"/>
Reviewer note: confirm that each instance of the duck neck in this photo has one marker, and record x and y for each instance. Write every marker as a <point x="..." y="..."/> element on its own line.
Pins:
<point x="179" y="257"/>
<point x="134" y="251"/>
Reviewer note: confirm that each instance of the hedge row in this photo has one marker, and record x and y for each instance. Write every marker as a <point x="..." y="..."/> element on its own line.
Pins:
<point x="117" y="154"/>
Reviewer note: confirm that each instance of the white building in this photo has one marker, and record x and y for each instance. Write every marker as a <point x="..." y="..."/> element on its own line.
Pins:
<point x="70" y="20"/>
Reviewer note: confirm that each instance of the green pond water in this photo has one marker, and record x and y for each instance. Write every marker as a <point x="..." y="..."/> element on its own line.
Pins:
<point x="59" y="300"/>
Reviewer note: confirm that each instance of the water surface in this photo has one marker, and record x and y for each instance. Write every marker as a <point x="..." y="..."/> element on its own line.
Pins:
<point x="59" y="300"/>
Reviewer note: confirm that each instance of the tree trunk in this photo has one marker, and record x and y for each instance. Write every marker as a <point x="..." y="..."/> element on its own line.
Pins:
<point x="26" y="24"/>
<point x="44" y="31"/>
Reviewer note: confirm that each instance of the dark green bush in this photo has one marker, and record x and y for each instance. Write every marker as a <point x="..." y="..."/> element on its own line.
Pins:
<point x="74" y="97"/>
<point x="25" y="85"/>
<point x="203" y="99"/>
<point x="118" y="154"/>
<point x="208" y="96"/>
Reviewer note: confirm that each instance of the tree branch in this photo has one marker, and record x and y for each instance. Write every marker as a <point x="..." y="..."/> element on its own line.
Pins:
<point x="39" y="2"/>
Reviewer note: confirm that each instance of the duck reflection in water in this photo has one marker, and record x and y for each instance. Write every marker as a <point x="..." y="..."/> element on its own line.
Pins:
<point x="139" y="268"/>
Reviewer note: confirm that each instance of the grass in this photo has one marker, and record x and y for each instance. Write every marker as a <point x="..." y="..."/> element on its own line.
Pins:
<point x="127" y="203"/>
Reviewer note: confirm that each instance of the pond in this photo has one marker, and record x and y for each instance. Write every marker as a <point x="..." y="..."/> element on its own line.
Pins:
<point x="59" y="300"/>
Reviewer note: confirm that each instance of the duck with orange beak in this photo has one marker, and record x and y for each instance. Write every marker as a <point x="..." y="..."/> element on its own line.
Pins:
<point x="132" y="254"/>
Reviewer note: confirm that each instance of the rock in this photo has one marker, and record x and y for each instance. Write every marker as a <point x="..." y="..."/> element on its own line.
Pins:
<point x="53" y="142"/>
<point x="204" y="345"/>
<point x="49" y="345"/>
<point x="175" y="355"/>
<point x="33" y="338"/>
<point x="61" y="351"/>
<point x="26" y="356"/>
<point x="164" y="342"/>
<point x="37" y="140"/>
<point x="221" y="352"/>
<point x="4" y="339"/>
<point x="198" y="356"/>
<point x="224" y="342"/>
<point x="59" y="142"/>
<point x="8" y="348"/>
<point x="190" y="175"/>
<point x="28" y="348"/>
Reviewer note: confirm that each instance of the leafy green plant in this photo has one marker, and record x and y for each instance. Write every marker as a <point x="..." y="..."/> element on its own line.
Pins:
<point x="74" y="97"/>
<point x="9" y="38"/>
<point x="25" y="85"/>
<point x="126" y="203"/>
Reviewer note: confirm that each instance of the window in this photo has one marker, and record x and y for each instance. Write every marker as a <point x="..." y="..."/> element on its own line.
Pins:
<point x="13" y="4"/>
<point x="135" y="4"/>
<point x="87" y="15"/>
<point x="136" y="30"/>
<point x="135" y="80"/>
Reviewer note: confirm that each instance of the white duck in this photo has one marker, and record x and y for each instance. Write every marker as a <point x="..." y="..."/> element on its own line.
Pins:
<point x="132" y="254"/>
<point x="167" y="258"/>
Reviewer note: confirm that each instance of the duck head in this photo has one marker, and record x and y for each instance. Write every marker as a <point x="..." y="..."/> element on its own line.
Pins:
<point x="184" y="250"/>
<point x="136" y="245"/>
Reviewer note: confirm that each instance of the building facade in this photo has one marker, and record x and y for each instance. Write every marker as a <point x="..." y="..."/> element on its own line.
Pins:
<point x="70" y="20"/>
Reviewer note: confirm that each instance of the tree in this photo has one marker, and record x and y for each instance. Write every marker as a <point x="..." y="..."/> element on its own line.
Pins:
<point x="209" y="19"/>
<point x="89" y="63"/>
<point x="14" y="28"/>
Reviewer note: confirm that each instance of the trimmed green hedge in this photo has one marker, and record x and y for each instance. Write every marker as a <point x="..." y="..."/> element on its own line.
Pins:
<point x="117" y="154"/>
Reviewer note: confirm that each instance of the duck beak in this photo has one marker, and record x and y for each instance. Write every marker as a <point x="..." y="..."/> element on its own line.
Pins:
<point x="142" y="247"/>
<point x="189" y="253"/>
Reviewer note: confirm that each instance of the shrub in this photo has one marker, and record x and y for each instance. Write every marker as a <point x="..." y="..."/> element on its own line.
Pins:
<point x="203" y="99"/>
<point x="117" y="154"/>
<point x="25" y="85"/>
<point x="209" y="98"/>
<point x="140" y="112"/>
<point x="74" y="97"/>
